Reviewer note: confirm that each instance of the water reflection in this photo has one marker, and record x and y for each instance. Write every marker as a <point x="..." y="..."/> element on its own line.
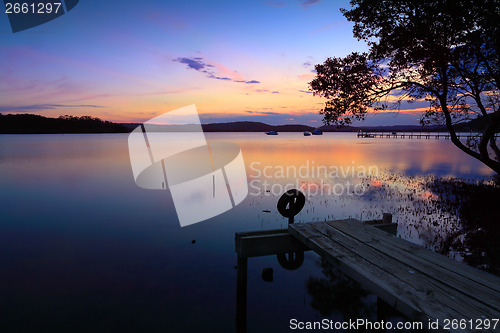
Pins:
<point x="476" y="205"/>
<point x="333" y="293"/>
<point x="389" y="176"/>
<point x="457" y="217"/>
<point x="83" y="244"/>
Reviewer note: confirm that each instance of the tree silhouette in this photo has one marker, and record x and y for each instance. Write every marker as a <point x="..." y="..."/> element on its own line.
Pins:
<point x="30" y="123"/>
<point x="443" y="52"/>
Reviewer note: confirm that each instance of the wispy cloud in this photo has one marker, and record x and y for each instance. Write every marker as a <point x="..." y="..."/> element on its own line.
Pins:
<point x="41" y="107"/>
<point x="308" y="65"/>
<point x="305" y="91"/>
<point x="213" y="70"/>
<point x="307" y="76"/>
<point x="262" y="112"/>
<point x="194" y="63"/>
<point x="307" y="3"/>
<point x="267" y="91"/>
<point x="304" y="3"/>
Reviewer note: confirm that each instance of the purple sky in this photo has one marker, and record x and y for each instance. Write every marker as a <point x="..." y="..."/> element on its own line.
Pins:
<point x="128" y="61"/>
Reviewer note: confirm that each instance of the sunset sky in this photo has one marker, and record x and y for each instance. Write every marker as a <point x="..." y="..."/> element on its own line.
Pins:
<point x="128" y="61"/>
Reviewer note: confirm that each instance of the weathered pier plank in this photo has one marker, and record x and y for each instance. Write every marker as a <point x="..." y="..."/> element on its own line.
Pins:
<point x="419" y="283"/>
<point x="421" y="257"/>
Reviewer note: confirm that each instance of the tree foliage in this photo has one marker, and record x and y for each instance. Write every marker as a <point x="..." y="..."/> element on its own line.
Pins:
<point x="443" y="52"/>
<point x="30" y="123"/>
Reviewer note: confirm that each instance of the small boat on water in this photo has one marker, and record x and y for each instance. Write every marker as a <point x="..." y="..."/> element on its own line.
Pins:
<point x="272" y="133"/>
<point x="307" y="133"/>
<point x="317" y="132"/>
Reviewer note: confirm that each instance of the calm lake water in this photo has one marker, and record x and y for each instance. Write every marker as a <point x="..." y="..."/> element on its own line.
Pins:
<point x="83" y="249"/>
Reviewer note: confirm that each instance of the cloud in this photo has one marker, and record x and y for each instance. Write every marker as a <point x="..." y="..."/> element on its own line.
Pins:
<point x="41" y="107"/>
<point x="213" y="70"/>
<point x="307" y="3"/>
<point x="194" y="63"/>
<point x="270" y="113"/>
<point x="308" y="65"/>
<point x="262" y="112"/>
<point x="211" y="76"/>
<point x="243" y="81"/>
<point x="267" y="91"/>
<point x="307" y="76"/>
<point x="305" y="91"/>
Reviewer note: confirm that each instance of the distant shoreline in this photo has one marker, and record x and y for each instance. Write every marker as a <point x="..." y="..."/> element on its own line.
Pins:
<point x="35" y="124"/>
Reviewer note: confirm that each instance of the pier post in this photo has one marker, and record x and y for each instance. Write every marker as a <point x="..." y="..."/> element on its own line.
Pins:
<point x="241" y="295"/>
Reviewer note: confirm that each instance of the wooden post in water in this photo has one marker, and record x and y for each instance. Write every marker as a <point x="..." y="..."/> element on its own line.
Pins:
<point x="241" y="295"/>
<point x="386" y="218"/>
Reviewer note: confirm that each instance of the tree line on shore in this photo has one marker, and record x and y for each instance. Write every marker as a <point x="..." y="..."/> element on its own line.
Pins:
<point x="35" y="124"/>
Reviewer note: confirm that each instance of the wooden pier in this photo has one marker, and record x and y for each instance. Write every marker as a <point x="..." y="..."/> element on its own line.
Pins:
<point x="422" y="285"/>
<point x="417" y="135"/>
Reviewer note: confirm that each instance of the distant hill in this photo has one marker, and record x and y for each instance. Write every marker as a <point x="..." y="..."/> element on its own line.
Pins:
<point x="35" y="124"/>
<point x="335" y="128"/>
<point x="239" y="126"/>
<point x="475" y="125"/>
<point x="252" y="126"/>
<point x="400" y="128"/>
